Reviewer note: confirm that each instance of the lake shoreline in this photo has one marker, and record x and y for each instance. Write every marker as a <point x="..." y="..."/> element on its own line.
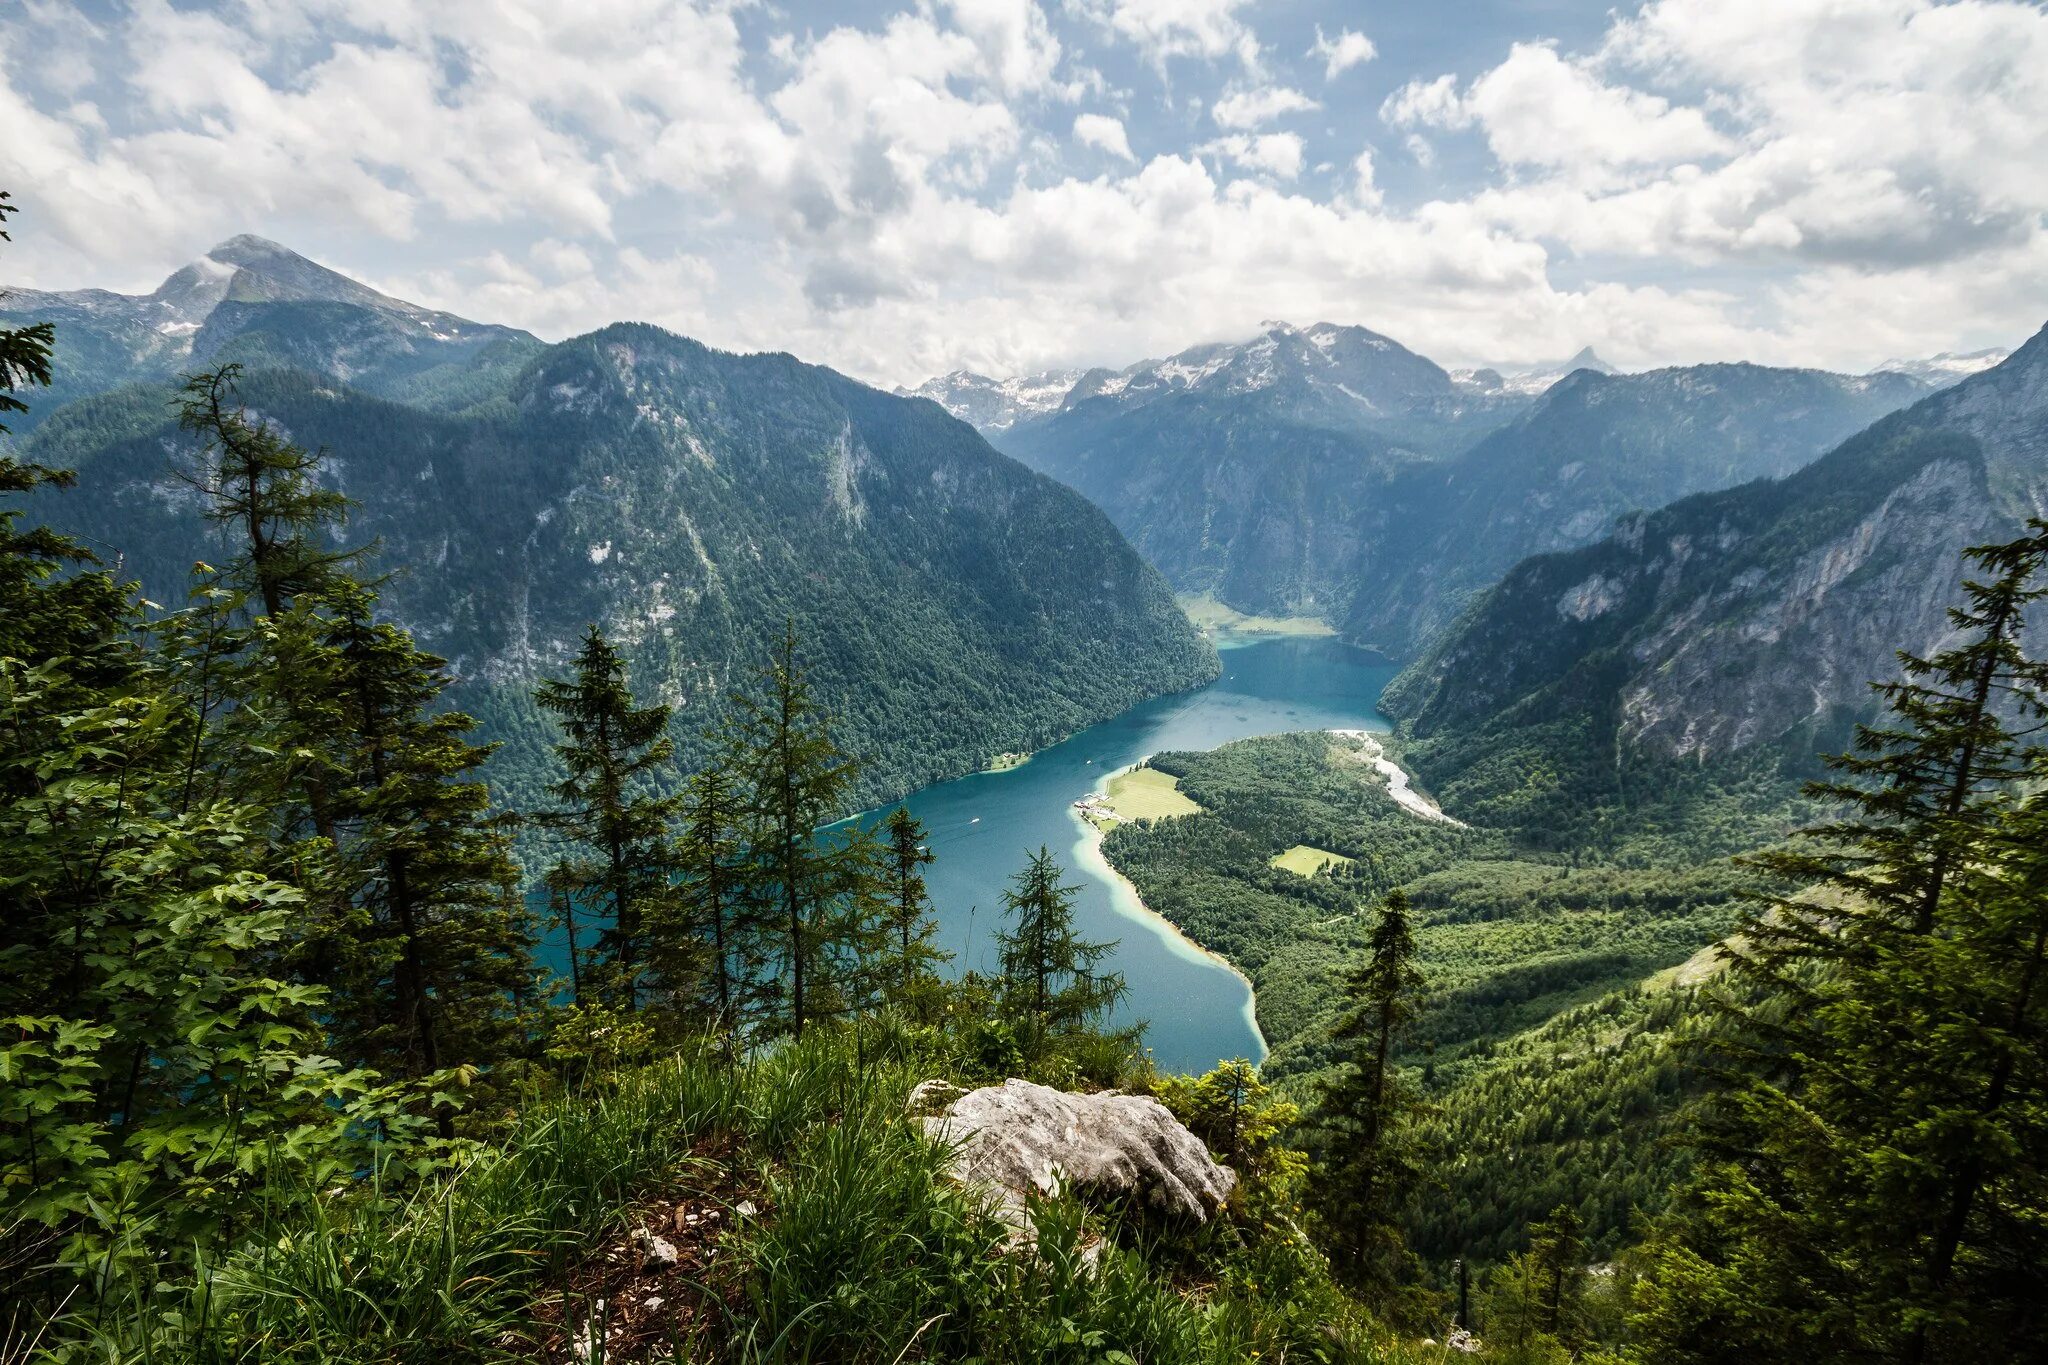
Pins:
<point x="1088" y="851"/>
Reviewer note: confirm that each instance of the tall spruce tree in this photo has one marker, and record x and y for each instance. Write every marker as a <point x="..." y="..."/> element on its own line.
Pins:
<point x="1049" y="971"/>
<point x="443" y="943"/>
<point x="819" y="889"/>
<point x="913" y="932"/>
<point x="1365" y="1113"/>
<point x="1877" y="1141"/>
<point x="613" y="751"/>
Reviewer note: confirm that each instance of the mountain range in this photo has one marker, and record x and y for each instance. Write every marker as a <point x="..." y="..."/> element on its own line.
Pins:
<point x="1258" y="471"/>
<point x="1748" y="621"/>
<point x="953" y="604"/>
<point x="1330" y="472"/>
<point x="1691" y="560"/>
<point x="253" y="301"/>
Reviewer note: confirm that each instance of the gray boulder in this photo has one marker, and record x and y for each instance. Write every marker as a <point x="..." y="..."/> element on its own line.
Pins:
<point x="1017" y="1137"/>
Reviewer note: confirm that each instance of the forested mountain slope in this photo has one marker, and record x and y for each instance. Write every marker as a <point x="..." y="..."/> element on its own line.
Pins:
<point x="250" y="299"/>
<point x="953" y="604"/>
<point x="1737" y="624"/>
<point x="1544" y="1056"/>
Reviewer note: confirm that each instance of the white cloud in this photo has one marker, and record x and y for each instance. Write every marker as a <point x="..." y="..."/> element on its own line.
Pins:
<point x="1808" y="181"/>
<point x="1348" y="49"/>
<point x="1430" y="103"/>
<point x="1251" y="106"/>
<point x="1538" y="109"/>
<point x="1279" y="155"/>
<point x="1103" y="132"/>
<point x="1881" y="135"/>
<point x="1364" y="180"/>
<point x="1165" y="29"/>
<point x="1015" y="40"/>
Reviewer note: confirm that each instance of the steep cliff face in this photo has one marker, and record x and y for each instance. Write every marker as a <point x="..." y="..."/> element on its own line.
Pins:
<point x="953" y="604"/>
<point x="1741" y="619"/>
<point x="1595" y="447"/>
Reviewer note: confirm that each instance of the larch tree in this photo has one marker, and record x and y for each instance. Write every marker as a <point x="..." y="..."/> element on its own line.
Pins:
<point x="264" y="492"/>
<point x="1049" y="972"/>
<point x="1539" y="1297"/>
<point x="818" y="888"/>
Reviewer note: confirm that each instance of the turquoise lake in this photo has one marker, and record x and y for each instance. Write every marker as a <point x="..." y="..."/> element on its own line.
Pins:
<point x="1197" y="1011"/>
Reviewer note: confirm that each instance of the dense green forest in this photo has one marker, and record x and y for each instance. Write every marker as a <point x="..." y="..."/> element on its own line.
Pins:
<point x="1522" y="947"/>
<point x="952" y="605"/>
<point x="281" y="1079"/>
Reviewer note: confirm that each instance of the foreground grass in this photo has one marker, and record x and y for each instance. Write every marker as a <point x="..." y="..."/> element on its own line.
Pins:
<point x="840" y="1240"/>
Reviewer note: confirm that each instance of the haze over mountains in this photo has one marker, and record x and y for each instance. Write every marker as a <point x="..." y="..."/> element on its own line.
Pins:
<point x="1328" y="471"/>
<point x="954" y="604"/>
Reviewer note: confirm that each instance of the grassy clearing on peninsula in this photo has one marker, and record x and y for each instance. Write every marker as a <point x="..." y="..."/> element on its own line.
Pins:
<point x="1147" y="794"/>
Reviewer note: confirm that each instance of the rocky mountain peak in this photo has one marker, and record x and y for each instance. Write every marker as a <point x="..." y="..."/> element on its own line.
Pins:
<point x="247" y="249"/>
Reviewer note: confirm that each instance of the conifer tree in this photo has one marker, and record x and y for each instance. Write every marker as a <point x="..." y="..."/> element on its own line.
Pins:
<point x="1880" y="1076"/>
<point x="1539" y="1297"/>
<point x="818" y="889"/>
<point x="443" y="943"/>
<point x="612" y="750"/>
<point x="264" y="492"/>
<point x="1365" y="1113"/>
<point x="1049" y="971"/>
<point x="912" y="931"/>
<point x="705" y="954"/>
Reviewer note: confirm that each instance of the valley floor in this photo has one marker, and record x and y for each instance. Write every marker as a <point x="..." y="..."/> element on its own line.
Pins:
<point x="1557" y="981"/>
<point x="1217" y="618"/>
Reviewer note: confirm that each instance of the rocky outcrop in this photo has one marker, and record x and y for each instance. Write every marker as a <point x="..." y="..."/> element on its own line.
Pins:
<point x="1017" y="1138"/>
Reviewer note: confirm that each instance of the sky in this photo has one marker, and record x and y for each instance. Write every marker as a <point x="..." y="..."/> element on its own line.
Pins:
<point x="899" y="188"/>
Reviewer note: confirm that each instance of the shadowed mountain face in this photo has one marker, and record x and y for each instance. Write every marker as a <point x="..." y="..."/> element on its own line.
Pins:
<point x="1329" y="471"/>
<point x="952" y="604"/>
<point x="1594" y="448"/>
<point x="1753" y="617"/>
<point x="1259" y="471"/>
<point x="253" y="301"/>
